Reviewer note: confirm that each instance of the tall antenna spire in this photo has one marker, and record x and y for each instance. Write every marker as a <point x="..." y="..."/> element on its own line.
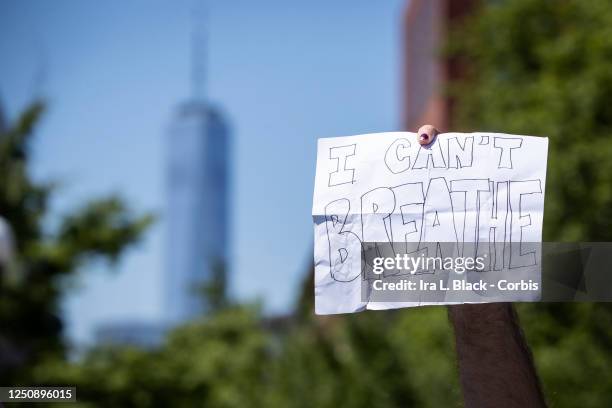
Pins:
<point x="198" y="51"/>
<point x="40" y="75"/>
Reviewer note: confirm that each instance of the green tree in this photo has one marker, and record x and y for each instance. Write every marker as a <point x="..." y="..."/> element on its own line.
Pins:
<point x="35" y="275"/>
<point x="221" y="360"/>
<point x="397" y="358"/>
<point x="544" y="67"/>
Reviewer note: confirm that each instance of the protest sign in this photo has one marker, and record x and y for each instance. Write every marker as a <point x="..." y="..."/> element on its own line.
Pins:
<point x="477" y="198"/>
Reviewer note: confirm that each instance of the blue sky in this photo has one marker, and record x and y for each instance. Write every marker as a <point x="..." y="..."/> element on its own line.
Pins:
<point x="284" y="73"/>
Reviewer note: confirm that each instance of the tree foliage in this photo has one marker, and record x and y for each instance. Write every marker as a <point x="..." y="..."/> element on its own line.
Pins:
<point x="33" y="275"/>
<point x="543" y="67"/>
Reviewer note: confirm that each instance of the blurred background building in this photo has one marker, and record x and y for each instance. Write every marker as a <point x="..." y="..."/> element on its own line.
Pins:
<point x="197" y="219"/>
<point x="134" y="333"/>
<point x="426" y="69"/>
<point x="197" y="208"/>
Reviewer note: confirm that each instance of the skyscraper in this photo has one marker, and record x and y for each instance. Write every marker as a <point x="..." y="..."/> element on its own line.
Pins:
<point x="197" y="189"/>
<point x="197" y="211"/>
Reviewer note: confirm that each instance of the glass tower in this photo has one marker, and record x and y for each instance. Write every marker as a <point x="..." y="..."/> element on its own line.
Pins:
<point x="197" y="208"/>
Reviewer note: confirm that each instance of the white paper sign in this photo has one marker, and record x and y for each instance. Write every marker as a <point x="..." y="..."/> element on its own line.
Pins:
<point x="385" y="187"/>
